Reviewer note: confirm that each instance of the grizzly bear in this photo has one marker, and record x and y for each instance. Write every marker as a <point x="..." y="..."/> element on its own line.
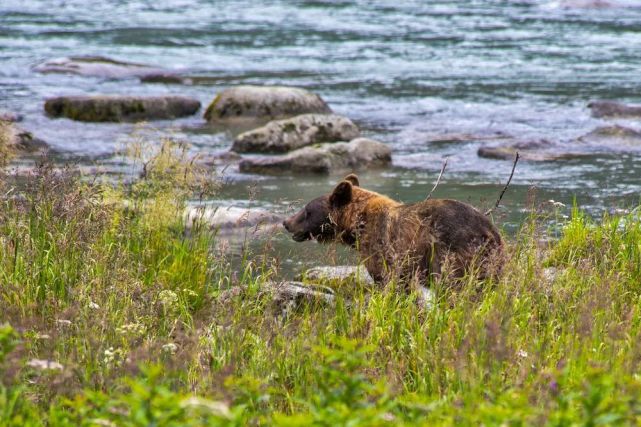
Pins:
<point x="407" y="242"/>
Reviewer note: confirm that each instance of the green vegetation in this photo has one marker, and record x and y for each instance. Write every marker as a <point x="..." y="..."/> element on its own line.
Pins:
<point x="112" y="314"/>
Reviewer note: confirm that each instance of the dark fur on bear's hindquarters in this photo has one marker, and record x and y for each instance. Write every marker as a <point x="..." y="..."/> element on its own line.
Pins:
<point x="395" y="240"/>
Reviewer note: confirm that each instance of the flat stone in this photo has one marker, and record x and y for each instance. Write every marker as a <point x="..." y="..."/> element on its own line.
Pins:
<point x="615" y="136"/>
<point x="280" y="136"/>
<point x="323" y="158"/>
<point x="230" y="217"/>
<point x="97" y="66"/>
<point x="264" y="103"/>
<point x="535" y="150"/>
<point x="166" y="78"/>
<point x="338" y="273"/>
<point x="120" y="108"/>
<point x="454" y="137"/>
<point x="609" y="109"/>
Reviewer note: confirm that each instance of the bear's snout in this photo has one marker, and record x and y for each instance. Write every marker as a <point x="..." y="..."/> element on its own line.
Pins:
<point x="286" y="225"/>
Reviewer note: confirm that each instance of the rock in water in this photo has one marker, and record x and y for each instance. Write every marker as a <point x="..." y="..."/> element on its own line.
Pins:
<point x="264" y="103"/>
<point x="289" y="134"/>
<point x="323" y="158"/>
<point x="97" y="66"/>
<point x="230" y="217"/>
<point x="535" y="150"/>
<point x="613" y="136"/>
<point x="17" y="139"/>
<point x="117" y="108"/>
<point x="605" y="109"/>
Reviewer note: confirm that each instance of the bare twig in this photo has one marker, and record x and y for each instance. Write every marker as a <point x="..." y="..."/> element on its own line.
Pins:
<point x="438" y="180"/>
<point x="498" y="202"/>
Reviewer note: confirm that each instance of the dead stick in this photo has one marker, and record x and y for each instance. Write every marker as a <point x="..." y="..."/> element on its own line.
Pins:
<point x="438" y="179"/>
<point x="498" y="202"/>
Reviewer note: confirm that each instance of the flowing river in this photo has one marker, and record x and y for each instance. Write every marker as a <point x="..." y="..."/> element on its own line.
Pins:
<point x="409" y="73"/>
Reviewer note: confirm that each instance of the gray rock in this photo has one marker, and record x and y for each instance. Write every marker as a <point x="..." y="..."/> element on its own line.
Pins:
<point x="97" y="66"/>
<point x="615" y="136"/>
<point x="536" y="150"/>
<point x="323" y="158"/>
<point x="338" y="273"/>
<point x="264" y="103"/>
<point x="607" y="109"/>
<point x="454" y="137"/>
<point x="120" y="108"/>
<point x="166" y="78"/>
<point x="290" y="293"/>
<point x="17" y="139"/>
<point x="230" y="217"/>
<point x="280" y="136"/>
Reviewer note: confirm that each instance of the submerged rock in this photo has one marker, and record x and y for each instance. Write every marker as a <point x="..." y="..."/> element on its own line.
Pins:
<point x="536" y="150"/>
<point x="323" y="158"/>
<point x="614" y="136"/>
<point x="167" y="78"/>
<point x="20" y="140"/>
<point x="453" y="137"/>
<point x="280" y="136"/>
<point x="10" y="116"/>
<point x="264" y="103"/>
<point x="121" y="108"/>
<point x="605" y="109"/>
<point x="356" y="273"/>
<point x="230" y="217"/>
<point x="97" y="66"/>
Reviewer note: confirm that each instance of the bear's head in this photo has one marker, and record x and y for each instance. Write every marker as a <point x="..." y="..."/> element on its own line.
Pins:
<point x="313" y="221"/>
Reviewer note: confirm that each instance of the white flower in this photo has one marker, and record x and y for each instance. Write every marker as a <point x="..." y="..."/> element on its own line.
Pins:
<point x="214" y="407"/>
<point x="94" y="306"/>
<point x="113" y="357"/>
<point x="45" y="365"/>
<point x="522" y="353"/>
<point x="556" y="204"/>
<point x="168" y="297"/>
<point x="131" y="329"/>
<point x="190" y="293"/>
<point x="63" y="322"/>
<point x="170" y="348"/>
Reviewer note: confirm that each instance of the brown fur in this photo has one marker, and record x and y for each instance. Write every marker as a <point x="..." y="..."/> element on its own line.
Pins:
<point x="407" y="242"/>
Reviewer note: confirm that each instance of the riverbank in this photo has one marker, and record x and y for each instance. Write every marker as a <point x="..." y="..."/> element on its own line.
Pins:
<point x="112" y="315"/>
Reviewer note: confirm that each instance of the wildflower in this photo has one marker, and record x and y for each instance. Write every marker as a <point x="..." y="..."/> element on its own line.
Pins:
<point x="522" y="353"/>
<point x="44" y="365"/>
<point x="170" y="348"/>
<point x="216" y="408"/>
<point x="168" y="298"/>
<point x="556" y="204"/>
<point x="190" y="293"/>
<point x="113" y="357"/>
<point x="131" y="329"/>
<point x="63" y="322"/>
<point x="94" y="306"/>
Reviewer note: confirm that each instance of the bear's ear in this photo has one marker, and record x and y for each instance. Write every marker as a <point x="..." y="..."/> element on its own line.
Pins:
<point x="341" y="195"/>
<point x="353" y="179"/>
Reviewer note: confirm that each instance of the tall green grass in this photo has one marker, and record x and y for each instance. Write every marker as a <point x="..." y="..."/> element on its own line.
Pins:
<point x="148" y="326"/>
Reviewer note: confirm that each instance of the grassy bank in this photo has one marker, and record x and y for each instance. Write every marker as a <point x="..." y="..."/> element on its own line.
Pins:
<point x="112" y="314"/>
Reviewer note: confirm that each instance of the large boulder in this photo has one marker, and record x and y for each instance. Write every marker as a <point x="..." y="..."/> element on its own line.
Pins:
<point x="323" y="158"/>
<point x="606" y="109"/>
<point x="613" y="136"/>
<point x="533" y="150"/>
<point x="290" y="134"/>
<point x="97" y="66"/>
<point x="264" y="103"/>
<point x="119" y="108"/>
<point x="16" y="139"/>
